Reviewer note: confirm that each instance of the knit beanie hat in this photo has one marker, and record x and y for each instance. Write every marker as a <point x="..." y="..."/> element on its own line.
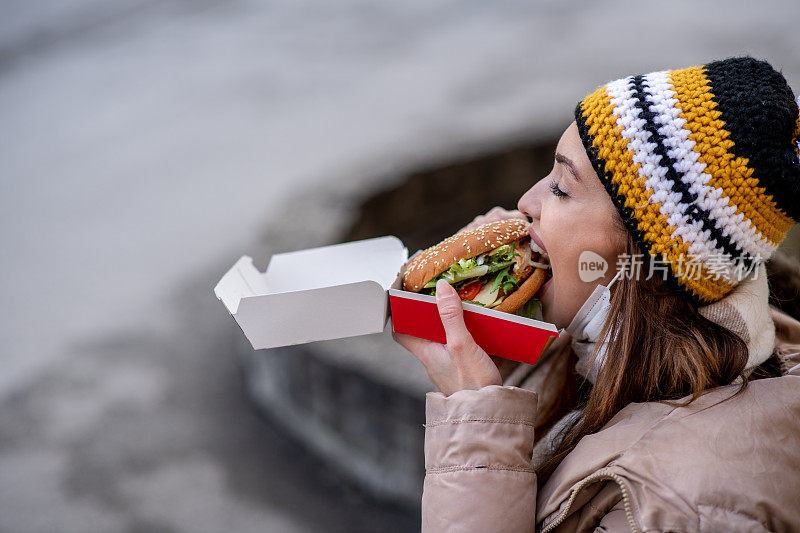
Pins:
<point x="702" y="165"/>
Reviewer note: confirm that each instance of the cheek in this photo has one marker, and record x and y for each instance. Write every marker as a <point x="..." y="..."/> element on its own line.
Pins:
<point x="569" y="231"/>
<point x="565" y="235"/>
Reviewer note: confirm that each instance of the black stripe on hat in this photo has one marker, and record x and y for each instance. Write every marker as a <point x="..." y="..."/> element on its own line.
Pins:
<point x="760" y="112"/>
<point x="693" y="211"/>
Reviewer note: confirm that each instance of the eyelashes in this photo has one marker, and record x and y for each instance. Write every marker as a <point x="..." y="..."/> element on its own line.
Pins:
<point x="556" y="190"/>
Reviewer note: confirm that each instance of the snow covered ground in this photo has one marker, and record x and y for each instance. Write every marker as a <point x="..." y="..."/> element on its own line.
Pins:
<point x="144" y="146"/>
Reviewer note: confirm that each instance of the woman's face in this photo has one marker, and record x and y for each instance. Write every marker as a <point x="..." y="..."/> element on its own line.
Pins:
<point x="572" y="213"/>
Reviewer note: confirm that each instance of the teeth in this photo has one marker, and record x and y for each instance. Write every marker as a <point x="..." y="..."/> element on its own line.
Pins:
<point x="535" y="247"/>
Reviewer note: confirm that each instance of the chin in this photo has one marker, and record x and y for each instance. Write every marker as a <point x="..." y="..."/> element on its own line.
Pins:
<point x="550" y="310"/>
<point x="559" y="323"/>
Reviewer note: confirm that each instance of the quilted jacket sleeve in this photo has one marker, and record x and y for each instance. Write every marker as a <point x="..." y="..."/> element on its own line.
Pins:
<point x="478" y="447"/>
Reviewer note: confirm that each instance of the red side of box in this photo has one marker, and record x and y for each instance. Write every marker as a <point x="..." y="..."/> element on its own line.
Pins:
<point x="504" y="338"/>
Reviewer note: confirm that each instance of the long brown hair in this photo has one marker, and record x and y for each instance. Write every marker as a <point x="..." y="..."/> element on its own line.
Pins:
<point x="663" y="350"/>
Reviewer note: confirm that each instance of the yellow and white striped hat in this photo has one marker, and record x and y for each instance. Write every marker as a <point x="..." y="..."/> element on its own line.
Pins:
<point x="702" y="165"/>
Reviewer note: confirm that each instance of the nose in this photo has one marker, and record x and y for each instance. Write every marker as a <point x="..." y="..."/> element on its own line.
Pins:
<point x="530" y="203"/>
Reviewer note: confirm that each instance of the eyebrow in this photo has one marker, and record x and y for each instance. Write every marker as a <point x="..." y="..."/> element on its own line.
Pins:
<point x="567" y="161"/>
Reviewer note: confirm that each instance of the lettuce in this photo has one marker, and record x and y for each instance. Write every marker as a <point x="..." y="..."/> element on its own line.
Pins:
<point x="530" y="308"/>
<point x="499" y="266"/>
<point x="503" y="253"/>
<point x="474" y="267"/>
<point x="506" y="280"/>
<point x="459" y="272"/>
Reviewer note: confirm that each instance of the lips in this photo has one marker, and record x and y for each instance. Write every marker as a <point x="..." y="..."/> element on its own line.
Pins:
<point x="535" y="238"/>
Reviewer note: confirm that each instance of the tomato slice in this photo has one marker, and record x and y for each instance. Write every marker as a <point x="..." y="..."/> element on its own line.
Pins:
<point x="470" y="290"/>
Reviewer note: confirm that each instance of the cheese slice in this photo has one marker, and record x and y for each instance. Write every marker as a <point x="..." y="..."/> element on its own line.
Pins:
<point x="486" y="296"/>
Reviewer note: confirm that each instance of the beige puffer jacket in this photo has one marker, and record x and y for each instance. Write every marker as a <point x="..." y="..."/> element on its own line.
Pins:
<point x="729" y="466"/>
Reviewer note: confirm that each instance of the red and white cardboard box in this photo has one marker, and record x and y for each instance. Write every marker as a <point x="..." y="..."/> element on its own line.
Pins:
<point x="350" y="289"/>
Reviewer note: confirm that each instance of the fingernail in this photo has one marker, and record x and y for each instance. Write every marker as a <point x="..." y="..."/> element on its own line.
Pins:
<point x="442" y="288"/>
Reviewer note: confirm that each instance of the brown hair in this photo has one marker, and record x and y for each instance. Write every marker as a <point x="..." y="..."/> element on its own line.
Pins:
<point x="663" y="350"/>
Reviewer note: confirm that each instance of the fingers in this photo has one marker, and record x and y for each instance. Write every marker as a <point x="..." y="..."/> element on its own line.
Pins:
<point x="495" y="213"/>
<point x="498" y="213"/>
<point x="460" y="363"/>
<point x="452" y="314"/>
<point x="516" y="213"/>
<point x="412" y="344"/>
<point x="420" y="348"/>
<point x="497" y="360"/>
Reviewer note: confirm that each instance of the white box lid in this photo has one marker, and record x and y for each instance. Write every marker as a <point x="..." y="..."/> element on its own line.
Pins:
<point x="322" y="293"/>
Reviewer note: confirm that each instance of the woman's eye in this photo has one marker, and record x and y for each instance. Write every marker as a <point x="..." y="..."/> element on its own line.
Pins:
<point x="556" y="191"/>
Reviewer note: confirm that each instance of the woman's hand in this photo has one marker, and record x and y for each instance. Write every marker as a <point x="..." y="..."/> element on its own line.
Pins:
<point x="494" y="214"/>
<point x="459" y="364"/>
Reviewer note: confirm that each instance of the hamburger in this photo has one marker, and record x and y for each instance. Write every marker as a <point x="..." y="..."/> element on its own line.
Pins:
<point x="495" y="265"/>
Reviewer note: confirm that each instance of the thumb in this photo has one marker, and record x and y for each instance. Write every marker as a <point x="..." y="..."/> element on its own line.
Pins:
<point x="452" y="314"/>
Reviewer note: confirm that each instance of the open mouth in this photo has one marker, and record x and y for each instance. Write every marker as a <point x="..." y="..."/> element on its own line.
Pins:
<point x="541" y="260"/>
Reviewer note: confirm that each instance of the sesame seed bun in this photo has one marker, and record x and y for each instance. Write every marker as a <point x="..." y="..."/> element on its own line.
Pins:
<point x="440" y="257"/>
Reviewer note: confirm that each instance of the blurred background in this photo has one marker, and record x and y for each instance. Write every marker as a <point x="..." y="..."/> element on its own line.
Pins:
<point x="146" y="145"/>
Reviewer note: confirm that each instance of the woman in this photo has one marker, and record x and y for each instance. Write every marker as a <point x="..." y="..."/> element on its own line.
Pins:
<point x="670" y="404"/>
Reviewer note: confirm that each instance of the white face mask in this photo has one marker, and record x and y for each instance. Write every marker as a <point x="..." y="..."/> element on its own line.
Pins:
<point x="585" y="329"/>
